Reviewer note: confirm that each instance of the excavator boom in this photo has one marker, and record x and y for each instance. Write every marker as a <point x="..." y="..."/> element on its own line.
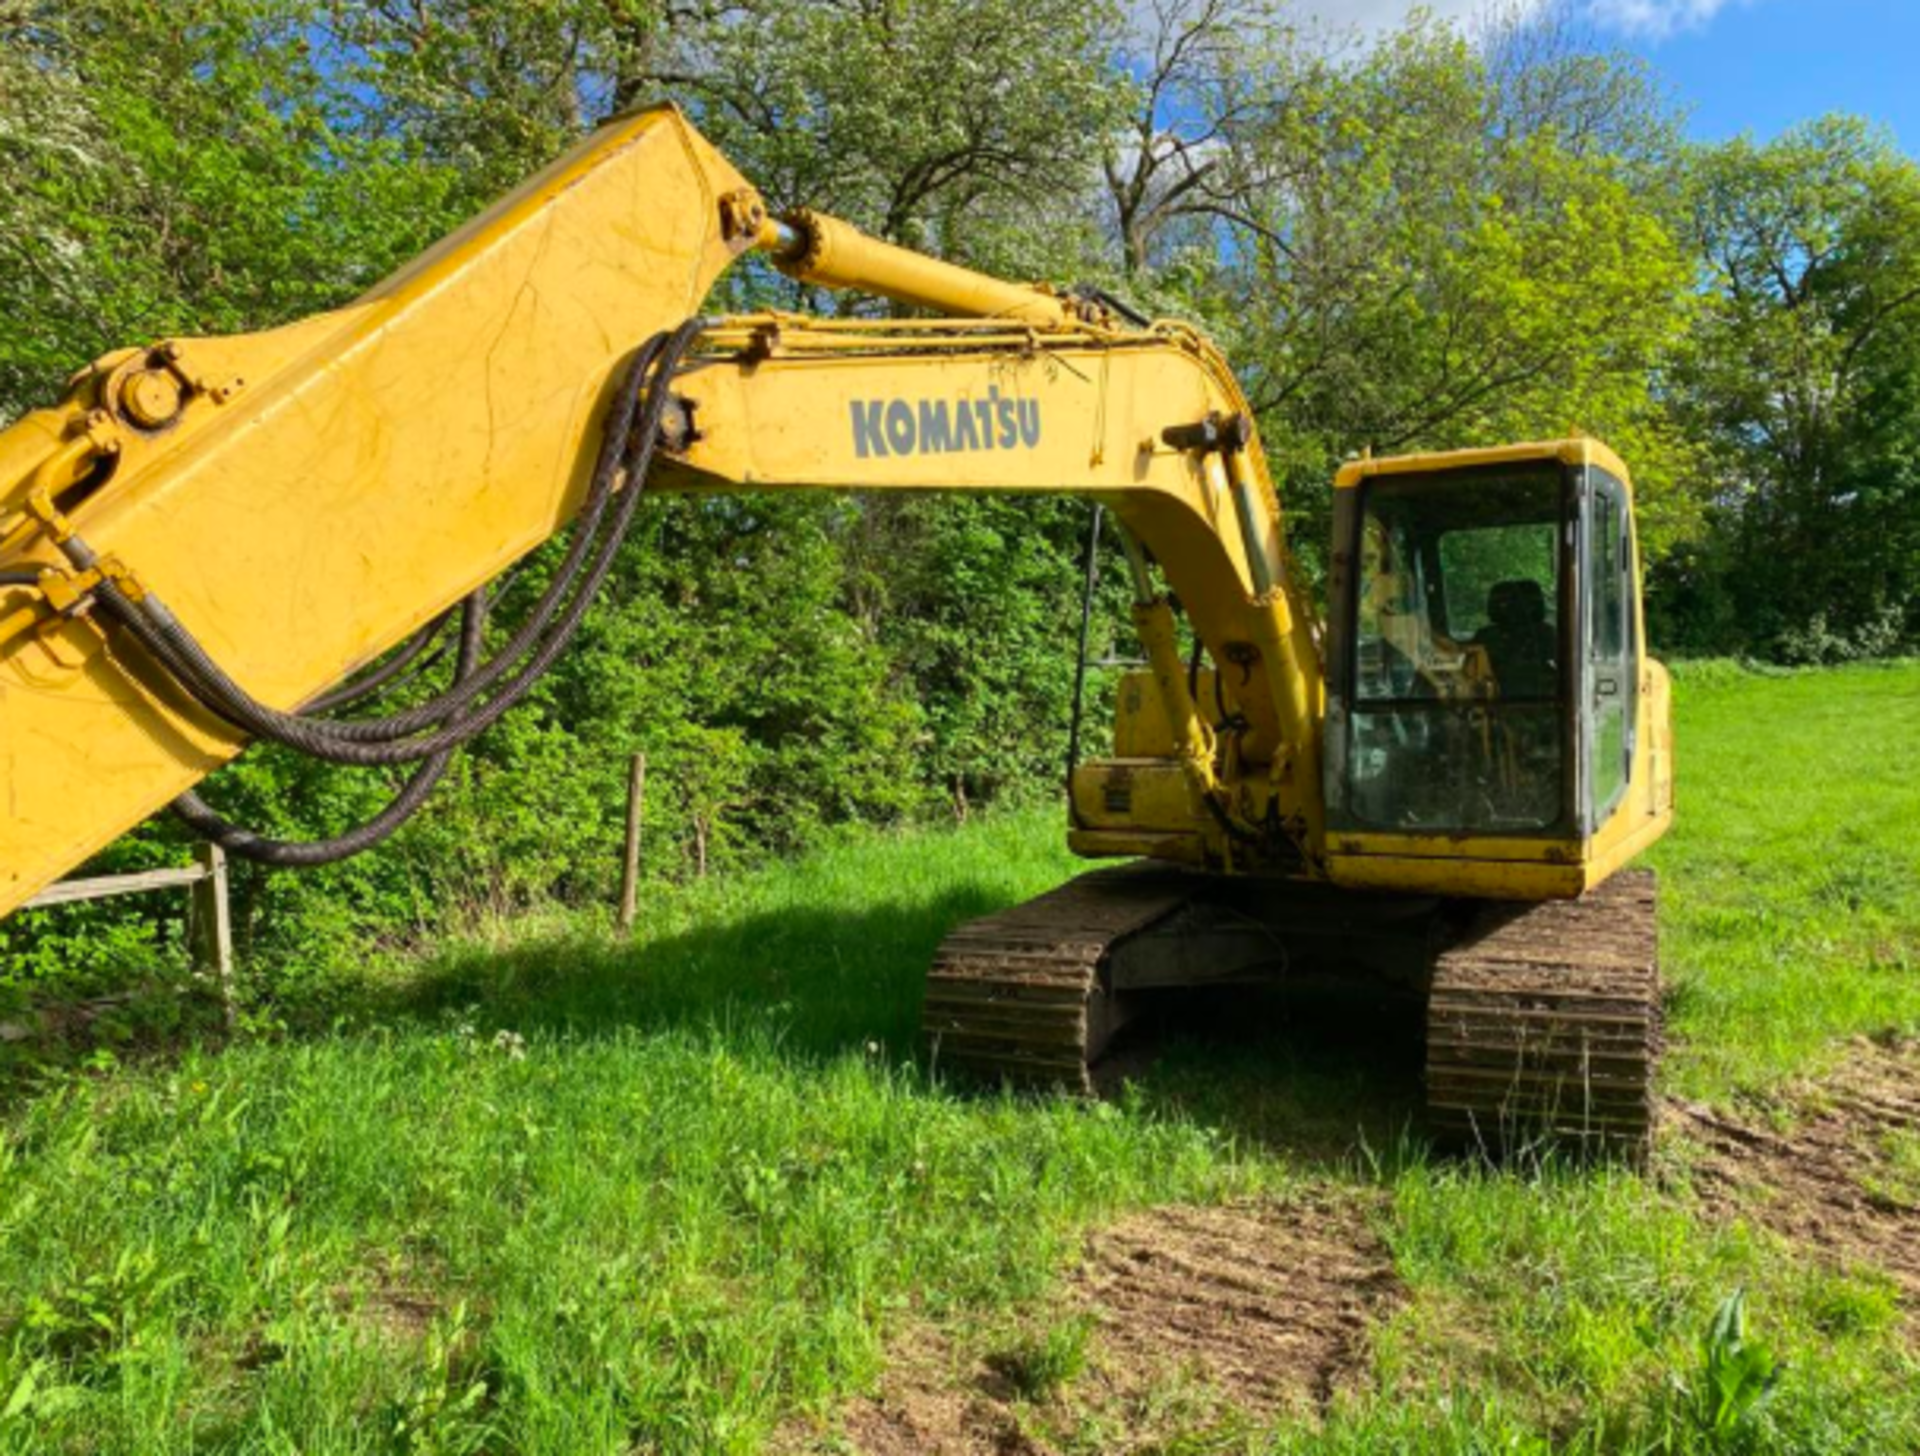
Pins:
<point x="304" y="498"/>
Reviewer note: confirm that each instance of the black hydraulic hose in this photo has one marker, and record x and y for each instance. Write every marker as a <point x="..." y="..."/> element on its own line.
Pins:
<point x="627" y="448"/>
<point x="1091" y="569"/>
<point x="1093" y="293"/>
<point x="1234" y="829"/>
<point x="19" y="578"/>
<point x="209" y="823"/>
<point x="401" y="669"/>
<point x="395" y="667"/>
<point x="619" y="444"/>
<point x="325" y="739"/>
<point x="164" y="637"/>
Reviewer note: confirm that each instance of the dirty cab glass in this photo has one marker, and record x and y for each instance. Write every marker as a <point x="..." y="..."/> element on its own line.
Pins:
<point x="1457" y="703"/>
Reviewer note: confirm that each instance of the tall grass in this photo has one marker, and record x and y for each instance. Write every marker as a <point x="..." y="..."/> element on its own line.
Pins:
<point x="1790" y="885"/>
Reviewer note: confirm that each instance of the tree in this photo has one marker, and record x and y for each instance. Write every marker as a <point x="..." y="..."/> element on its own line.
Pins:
<point x="1435" y="241"/>
<point x="1801" y="381"/>
<point x="1206" y="73"/>
<point x="179" y="168"/>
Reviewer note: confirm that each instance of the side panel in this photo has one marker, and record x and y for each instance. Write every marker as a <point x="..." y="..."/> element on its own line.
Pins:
<point x="374" y="466"/>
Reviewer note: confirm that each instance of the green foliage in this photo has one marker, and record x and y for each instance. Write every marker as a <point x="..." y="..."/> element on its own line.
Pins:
<point x="687" y="1197"/>
<point x="1737" y="1377"/>
<point x="1424" y="242"/>
<point x="1431" y="244"/>
<point x="1799" y="383"/>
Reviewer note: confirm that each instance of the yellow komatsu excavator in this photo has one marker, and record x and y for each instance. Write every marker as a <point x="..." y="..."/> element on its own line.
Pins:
<point x="1440" y="784"/>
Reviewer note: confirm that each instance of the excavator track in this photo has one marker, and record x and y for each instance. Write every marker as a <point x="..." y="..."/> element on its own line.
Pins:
<point x="1019" y="996"/>
<point x="1543" y="1022"/>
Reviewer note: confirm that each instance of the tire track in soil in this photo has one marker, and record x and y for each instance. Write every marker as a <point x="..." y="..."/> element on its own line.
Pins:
<point x="1823" y="1183"/>
<point x="1269" y="1306"/>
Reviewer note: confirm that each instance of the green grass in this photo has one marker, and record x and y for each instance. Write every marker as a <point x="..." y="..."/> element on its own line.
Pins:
<point x="1791" y="883"/>
<point x="553" y="1192"/>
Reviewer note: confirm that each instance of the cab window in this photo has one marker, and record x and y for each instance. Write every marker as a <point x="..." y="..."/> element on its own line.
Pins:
<point x="1458" y="710"/>
<point x="1609" y="650"/>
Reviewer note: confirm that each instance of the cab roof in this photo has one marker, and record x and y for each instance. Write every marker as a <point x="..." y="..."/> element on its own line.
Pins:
<point x="1575" y="450"/>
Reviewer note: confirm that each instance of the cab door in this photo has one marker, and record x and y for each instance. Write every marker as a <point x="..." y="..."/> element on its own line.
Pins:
<point x="1609" y="654"/>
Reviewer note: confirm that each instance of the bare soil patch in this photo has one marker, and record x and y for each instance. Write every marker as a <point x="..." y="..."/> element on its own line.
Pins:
<point x="1824" y="1173"/>
<point x="1265" y="1307"/>
<point x="399" y="1298"/>
<point x="934" y="1401"/>
<point x="1271" y="1304"/>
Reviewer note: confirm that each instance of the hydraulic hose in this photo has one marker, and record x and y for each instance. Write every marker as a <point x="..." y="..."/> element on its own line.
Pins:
<point x="163" y="635"/>
<point x="406" y="664"/>
<point x="391" y="672"/>
<point x="626" y="452"/>
<point x="621" y="443"/>
<point x="430" y="733"/>
<point x="236" y="839"/>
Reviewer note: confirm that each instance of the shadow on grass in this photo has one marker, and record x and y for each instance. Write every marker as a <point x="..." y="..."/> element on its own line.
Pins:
<point x="1325" y="1074"/>
<point x="1318" y="1074"/>
<point x="48" y="1037"/>
<point x="825" y="981"/>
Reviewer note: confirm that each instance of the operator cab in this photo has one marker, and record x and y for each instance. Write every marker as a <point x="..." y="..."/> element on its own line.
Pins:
<point x="1484" y="664"/>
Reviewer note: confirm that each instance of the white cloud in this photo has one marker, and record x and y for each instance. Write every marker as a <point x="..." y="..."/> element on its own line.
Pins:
<point x="1651" y="19"/>
<point x="1656" y="19"/>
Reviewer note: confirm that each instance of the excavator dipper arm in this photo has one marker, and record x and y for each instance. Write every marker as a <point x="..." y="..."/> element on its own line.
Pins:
<point x="303" y="499"/>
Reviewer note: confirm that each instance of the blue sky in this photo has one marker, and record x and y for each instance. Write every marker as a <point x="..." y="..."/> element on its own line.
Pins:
<point x="1741" y="65"/>
<point x="1760" y="66"/>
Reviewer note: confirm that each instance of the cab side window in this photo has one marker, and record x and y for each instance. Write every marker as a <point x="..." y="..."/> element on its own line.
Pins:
<point x="1609" y="650"/>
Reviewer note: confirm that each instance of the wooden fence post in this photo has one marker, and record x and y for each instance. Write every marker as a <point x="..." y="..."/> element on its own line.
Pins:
<point x="636" y="819"/>
<point x="213" y="927"/>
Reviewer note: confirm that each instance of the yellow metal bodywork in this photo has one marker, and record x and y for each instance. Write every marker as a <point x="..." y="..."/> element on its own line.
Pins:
<point x="782" y="402"/>
<point x="305" y="498"/>
<point x="367" y="468"/>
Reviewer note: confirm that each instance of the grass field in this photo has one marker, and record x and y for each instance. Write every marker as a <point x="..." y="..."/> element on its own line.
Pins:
<point x="692" y="1193"/>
